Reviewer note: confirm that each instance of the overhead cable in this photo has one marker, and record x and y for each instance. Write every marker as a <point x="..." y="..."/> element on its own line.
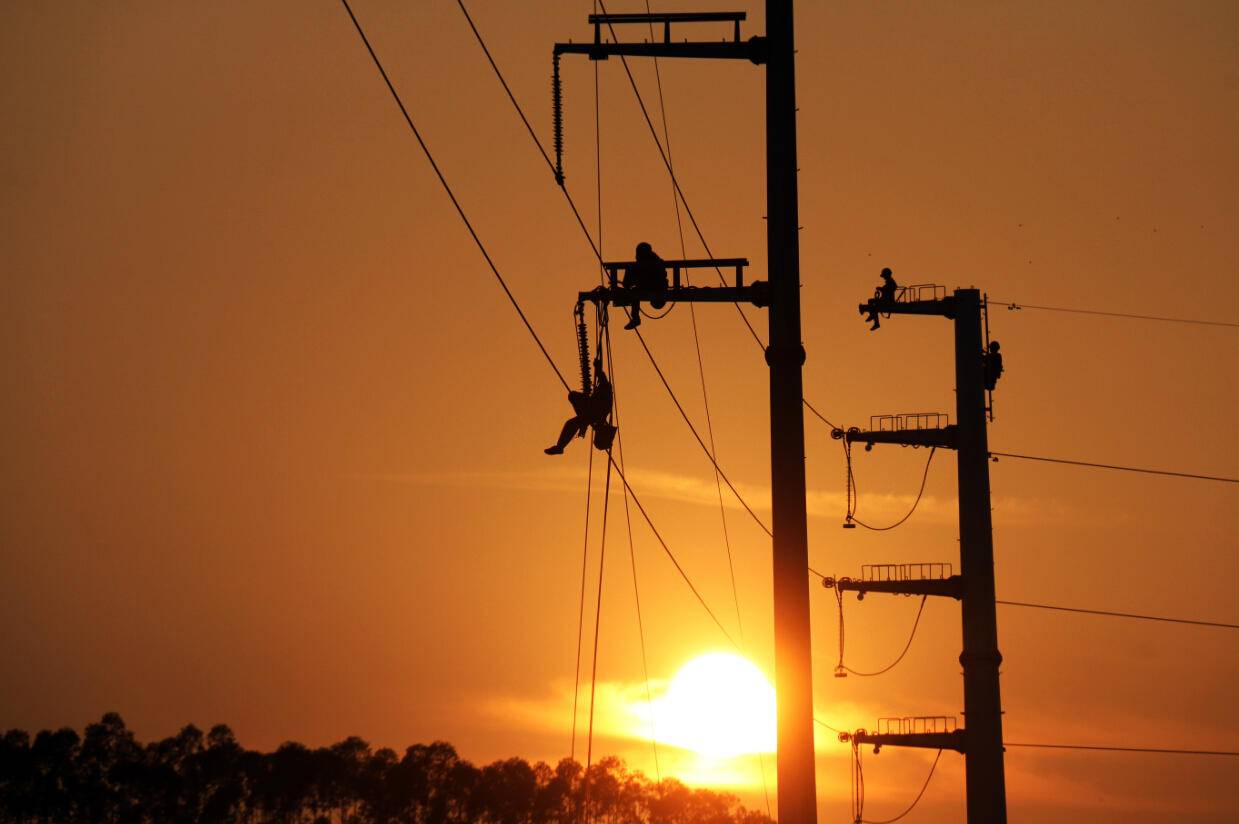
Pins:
<point x="1018" y="306"/>
<point x="701" y="600"/>
<point x="1152" y="750"/>
<point x="459" y="210"/>
<point x="1162" y="618"/>
<point x="911" y="635"/>
<point x="696" y="435"/>
<point x="1193" y="475"/>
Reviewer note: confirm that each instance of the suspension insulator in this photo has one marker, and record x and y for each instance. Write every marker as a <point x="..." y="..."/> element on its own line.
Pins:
<point x="557" y="119"/>
<point x="582" y="345"/>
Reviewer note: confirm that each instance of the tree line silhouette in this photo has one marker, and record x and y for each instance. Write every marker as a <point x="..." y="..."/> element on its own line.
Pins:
<point x="106" y="775"/>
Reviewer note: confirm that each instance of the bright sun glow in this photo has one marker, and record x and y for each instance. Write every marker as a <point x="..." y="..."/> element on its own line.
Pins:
<point x="718" y="705"/>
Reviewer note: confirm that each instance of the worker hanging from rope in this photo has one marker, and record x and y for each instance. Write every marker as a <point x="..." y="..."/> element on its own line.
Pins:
<point x="648" y="274"/>
<point x="592" y="405"/>
<point x="883" y="296"/>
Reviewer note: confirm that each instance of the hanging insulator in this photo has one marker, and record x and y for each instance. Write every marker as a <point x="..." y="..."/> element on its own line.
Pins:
<point x="557" y="119"/>
<point x="582" y="345"/>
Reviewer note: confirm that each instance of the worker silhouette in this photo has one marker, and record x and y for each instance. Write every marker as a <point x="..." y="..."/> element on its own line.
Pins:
<point x="993" y="365"/>
<point x="593" y="410"/>
<point x="884" y="296"/>
<point x="648" y="273"/>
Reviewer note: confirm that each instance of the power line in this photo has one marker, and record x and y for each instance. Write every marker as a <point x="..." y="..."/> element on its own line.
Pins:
<point x="1193" y="475"/>
<point x="1018" y="306"/>
<point x="1162" y="618"/>
<point x="696" y="435"/>
<point x="915" y="801"/>
<point x="426" y="150"/>
<point x="1154" y="750"/>
<point x="701" y="600"/>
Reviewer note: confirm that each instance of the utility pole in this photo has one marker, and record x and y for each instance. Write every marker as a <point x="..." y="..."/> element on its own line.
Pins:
<point x="980" y="740"/>
<point x="793" y="660"/>
<point x="797" y="792"/>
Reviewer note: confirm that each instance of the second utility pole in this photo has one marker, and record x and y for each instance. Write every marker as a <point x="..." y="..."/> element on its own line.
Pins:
<point x="793" y="661"/>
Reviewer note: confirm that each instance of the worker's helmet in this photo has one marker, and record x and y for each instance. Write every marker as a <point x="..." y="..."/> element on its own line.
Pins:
<point x="644" y="249"/>
<point x="886" y="272"/>
<point x="993" y="346"/>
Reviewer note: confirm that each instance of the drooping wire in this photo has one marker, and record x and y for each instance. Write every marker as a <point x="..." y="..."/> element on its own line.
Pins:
<point x="841" y="667"/>
<point x="852" y="498"/>
<point x="1192" y="475"/>
<point x="915" y="801"/>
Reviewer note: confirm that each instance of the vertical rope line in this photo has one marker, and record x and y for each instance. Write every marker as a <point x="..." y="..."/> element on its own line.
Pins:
<point x="602" y="557"/>
<point x="580" y="620"/>
<point x="705" y="397"/>
<point x="598" y="161"/>
<point x="632" y="557"/>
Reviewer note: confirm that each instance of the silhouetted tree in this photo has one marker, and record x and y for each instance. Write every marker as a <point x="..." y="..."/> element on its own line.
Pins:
<point x="107" y="777"/>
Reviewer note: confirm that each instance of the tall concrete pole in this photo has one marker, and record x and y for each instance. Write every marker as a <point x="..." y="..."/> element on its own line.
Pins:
<point x="983" y="753"/>
<point x="792" y="648"/>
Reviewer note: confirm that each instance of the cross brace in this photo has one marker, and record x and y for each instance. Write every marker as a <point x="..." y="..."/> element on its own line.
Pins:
<point x="952" y="587"/>
<point x="757" y="294"/>
<point x="944" y="437"/>
<point x="927" y="740"/>
<point x="944" y="307"/>
<point x="753" y="50"/>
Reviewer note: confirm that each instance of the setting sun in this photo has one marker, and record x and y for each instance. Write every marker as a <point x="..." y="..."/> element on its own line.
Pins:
<point x="718" y="705"/>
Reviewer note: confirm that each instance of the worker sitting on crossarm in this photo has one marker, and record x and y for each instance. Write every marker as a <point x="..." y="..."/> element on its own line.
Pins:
<point x="648" y="273"/>
<point x="993" y="366"/>
<point x="593" y="410"/>
<point x="884" y="296"/>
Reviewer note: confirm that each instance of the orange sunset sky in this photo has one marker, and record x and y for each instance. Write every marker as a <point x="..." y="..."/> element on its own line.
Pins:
<point x="273" y="435"/>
